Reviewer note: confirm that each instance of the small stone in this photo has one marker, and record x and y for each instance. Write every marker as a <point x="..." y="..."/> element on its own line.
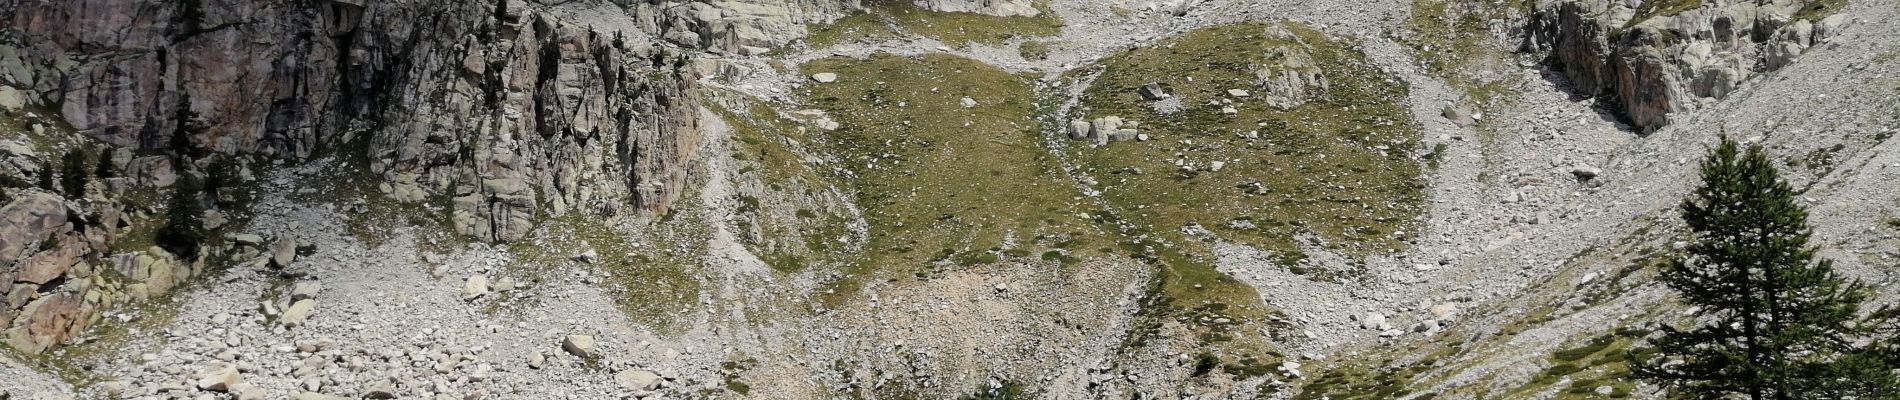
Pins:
<point x="1239" y="93"/>
<point x="219" y="379"/>
<point x="247" y="239"/>
<point x="474" y="287"/>
<point x="824" y="77"/>
<point x="590" y="256"/>
<point x="505" y="284"/>
<point x="298" y="313"/>
<point x="316" y="396"/>
<point x="1152" y="91"/>
<point x="1079" y="129"/>
<point x="537" y="360"/>
<point x="379" y="390"/>
<point x="283" y="252"/>
<point x="1374" y="321"/>
<point x="1216" y="166"/>
<point x="253" y="394"/>
<point x="1229" y="110"/>
<point x="1585" y="172"/>
<point x="968" y="102"/>
<point x="638" y="379"/>
<point x="1460" y="116"/>
<point x="305" y="290"/>
<point x="580" y="346"/>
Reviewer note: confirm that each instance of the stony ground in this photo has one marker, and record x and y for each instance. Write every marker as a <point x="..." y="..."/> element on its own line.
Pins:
<point x="1507" y="215"/>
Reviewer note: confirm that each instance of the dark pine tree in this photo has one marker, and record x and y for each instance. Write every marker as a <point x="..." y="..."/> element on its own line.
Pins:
<point x="74" y="173"/>
<point x="184" y="225"/>
<point x="1774" y="321"/>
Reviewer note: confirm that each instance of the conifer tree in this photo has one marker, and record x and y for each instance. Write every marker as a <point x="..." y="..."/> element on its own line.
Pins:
<point x="73" y="174"/>
<point x="184" y="225"/>
<point x="1774" y="321"/>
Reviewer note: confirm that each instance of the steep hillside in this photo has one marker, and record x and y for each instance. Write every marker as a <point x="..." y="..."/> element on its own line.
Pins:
<point x="897" y="199"/>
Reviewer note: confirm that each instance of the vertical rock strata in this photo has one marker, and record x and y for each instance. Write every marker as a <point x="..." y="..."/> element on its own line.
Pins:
<point x="1655" y="65"/>
<point x="510" y="113"/>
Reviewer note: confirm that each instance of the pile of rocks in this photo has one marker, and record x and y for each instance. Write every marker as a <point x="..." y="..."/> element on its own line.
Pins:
<point x="1105" y="129"/>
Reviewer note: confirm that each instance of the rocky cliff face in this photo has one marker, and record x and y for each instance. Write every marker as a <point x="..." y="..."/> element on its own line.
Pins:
<point x="56" y="274"/>
<point x="500" y="111"/>
<point x="1653" y="65"/>
<point x="500" y="106"/>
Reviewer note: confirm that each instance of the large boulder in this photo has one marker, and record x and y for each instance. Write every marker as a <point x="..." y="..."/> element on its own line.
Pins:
<point x="28" y="219"/>
<point x="580" y="346"/>
<point x="50" y="321"/>
<point x="1662" y="64"/>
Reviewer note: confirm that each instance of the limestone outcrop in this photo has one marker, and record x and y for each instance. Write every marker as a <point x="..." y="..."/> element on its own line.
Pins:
<point x="499" y="110"/>
<point x="1652" y="66"/>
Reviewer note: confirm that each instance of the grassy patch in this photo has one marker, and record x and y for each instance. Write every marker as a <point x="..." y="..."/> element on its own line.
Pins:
<point x="857" y="27"/>
<point x="1010" y="390"/>
<point x="883" y="19"/>
<point x="1350" y="382"/>
<point x="939" y="182"/>
<point x="1033" y="50"/>
<point x="1452" y="40"/>
<point x="1661" y="8"/>
<point x="795" y="225"/>
<point x="1337" y="168"/>
<point x="654" y="280"/>
<point x="1603" y="361"/>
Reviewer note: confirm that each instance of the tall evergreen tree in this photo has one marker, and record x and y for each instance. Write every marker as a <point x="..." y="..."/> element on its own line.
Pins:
<point x="184" y="225"/>
<point x="74" y="173"/>
<point x="1775" y="322"/>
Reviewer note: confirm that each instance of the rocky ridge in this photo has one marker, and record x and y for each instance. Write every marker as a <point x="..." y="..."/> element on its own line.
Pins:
<point x="592" y="119"/>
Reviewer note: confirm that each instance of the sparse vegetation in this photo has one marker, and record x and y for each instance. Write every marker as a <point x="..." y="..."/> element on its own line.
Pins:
<point x="1661" y="8"/>
<point x="1341" y="155"/>
<point x="1009" y="390"/>
<point x="657" y="278"/>
<point x="1815" y="10"/>
<point x="1452" y="40"/>
<point x="1034" y="50"/>
<point x="883" y="19"/>
<point x="930" y="175"/>
<point x="768" y="147"/>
